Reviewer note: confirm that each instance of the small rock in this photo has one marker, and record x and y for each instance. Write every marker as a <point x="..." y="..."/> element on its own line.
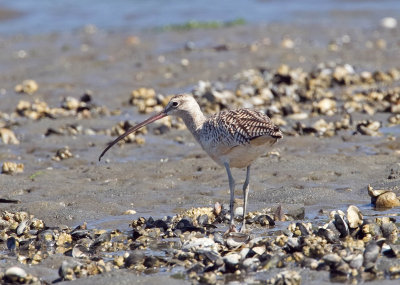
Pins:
<point x="354" y="217"/>
<point x="387" y="200"/>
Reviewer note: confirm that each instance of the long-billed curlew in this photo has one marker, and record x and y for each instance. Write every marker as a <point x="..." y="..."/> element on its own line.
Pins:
<point x="232" y="138"/>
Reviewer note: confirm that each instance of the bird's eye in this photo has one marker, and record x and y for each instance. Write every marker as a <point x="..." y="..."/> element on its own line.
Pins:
<point x="175" y="104"/>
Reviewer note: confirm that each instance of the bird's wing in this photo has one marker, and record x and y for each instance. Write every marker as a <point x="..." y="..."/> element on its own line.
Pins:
<point x="243" y="125"/>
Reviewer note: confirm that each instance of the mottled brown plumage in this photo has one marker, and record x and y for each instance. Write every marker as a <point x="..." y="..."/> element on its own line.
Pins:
<point x="232" y="138"/>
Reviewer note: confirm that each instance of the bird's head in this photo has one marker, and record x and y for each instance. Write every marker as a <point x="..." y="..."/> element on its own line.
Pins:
<point x="179" y="105"/>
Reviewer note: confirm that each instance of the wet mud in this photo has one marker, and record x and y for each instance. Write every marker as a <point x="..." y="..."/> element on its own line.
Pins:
<point x="312" y="171"/>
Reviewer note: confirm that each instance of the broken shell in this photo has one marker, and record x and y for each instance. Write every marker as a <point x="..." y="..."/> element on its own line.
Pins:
<point x="47" y="237"/>
<point x="68" y="268"/>
<point x="70" y="103"/>
<point x="11" y="243"/>
<point x="63" y="153"/>
<point x="387" y="200"/>
<point x="218" y="238"/>
<point x="134" y="258"/>
<point x="198" y="243"/>
<point x="375" y="193"/>
<point x="236" y="240"/>
<point x="286" y="277"/>
<point x="250" y="264"/>
<point x="12" y="167"/>
<point x="369" y="128"/>
<point x="332" y="259"/>
<point x="24" y="225"/>
<point x="80" y="251"/>
<point x="394" y="271"/>
<point x="341" y="225"/>
<point x="231" y="261"/>
<point x="371" y="253"/>
<point x="15" y="274"/>
<point x="354" y="217"/>
<point x="330" y="235"/>
<point x="383" y="198"/>
<point x="326" y="106"/>
<point x="356" y="261"/>
<point x="390" y="231"/>
<point x="37" y="224"/>
<point x="202" y="220"/>
<point x="208" y="278"/>
<point x="8" y="136"/>
<point x="130" y="212"/>
<point x="28" y="86"/>
<point x="64" y="238"/>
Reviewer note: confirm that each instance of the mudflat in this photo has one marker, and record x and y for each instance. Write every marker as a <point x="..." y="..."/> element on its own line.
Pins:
<point x="318" y="168"/>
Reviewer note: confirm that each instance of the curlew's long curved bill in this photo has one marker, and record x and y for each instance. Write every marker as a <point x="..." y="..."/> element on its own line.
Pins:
<point x="134" y="129"/>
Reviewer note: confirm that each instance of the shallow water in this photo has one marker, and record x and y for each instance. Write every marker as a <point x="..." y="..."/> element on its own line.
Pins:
<point x="55" y="16"/>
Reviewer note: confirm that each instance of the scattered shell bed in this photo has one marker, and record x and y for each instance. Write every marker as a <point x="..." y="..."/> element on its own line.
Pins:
<point x="290" y="96"/>
<point x="351" y="247"/>
<point x="321" y="102"/>
<point x="70" y="106"/>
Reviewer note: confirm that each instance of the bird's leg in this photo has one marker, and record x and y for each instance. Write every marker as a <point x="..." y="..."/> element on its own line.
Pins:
<point x="232" y="190"/>
<point x="246" y="189"/>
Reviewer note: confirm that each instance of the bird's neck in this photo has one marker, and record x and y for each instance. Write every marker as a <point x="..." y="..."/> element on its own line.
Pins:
<point x="194" y="120"/>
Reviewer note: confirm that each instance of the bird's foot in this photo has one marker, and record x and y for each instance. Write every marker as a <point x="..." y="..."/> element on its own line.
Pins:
<point x="279" y="215"/>
<point x="232" y="229"/>
<point x="243" y="229"/>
